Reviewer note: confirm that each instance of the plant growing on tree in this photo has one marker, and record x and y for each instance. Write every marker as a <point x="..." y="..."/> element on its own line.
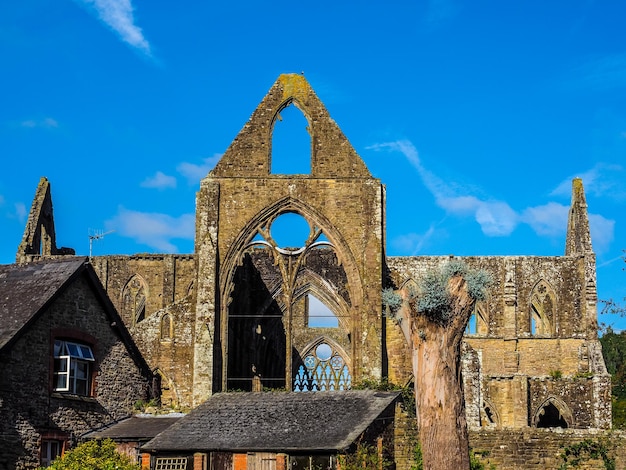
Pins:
<point x="433" y="320"/>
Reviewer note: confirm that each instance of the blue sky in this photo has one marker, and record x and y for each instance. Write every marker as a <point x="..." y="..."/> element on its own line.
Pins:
<point x="476" y="115"/>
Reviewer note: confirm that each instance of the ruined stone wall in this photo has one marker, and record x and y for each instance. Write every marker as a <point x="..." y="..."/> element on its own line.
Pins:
<point x="165" y="340"/>
<point x="29" y="408"/>
<point x="166" y="279"/>
<point x="540" y="449"/>
<point x="515" y="372"/>
<point x="241" y="196"/>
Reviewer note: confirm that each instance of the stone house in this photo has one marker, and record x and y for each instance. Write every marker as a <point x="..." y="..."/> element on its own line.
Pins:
<point x="247" y="311"/>
<point x="67" y="363"/>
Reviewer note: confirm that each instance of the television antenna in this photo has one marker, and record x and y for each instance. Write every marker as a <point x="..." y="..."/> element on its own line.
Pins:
<point x="96" y="235"/>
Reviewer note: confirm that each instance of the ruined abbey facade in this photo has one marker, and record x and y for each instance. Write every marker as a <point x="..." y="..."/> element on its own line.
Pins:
<point x="244" y="313"/>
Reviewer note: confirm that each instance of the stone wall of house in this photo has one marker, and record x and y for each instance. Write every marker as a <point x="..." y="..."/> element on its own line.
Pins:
<point x="29" y="409"/>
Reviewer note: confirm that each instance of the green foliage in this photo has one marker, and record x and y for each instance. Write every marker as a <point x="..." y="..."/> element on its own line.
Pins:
<point x="475" y="463"/>
<point x="587" y="449"/>
<point x="556" y="374"/>
<point x="94" y="455"/>
<point x="614" y="352"/>
<point x="364" y="457"/>
<point x="434" y="299"/>
<point x="392" y="301"/>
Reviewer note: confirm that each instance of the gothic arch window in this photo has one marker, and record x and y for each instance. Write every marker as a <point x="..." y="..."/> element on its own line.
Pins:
<point x="553" y="413"/>
<point x="167" y="327"/>
<point x="323" y="366"/>
<point x="291" y="142"/>
<point x="542" y="310"/>
<point x="318" y="314"/>
<point x="489" y="415"/>
<point x="478" y="324"/>
<point x="134" y="297"/>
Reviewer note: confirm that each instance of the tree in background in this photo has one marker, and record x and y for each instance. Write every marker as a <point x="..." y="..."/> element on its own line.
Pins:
<point x="614" y="352"/>
<point x="94" y="455"/>
<point x="433" y="319"/>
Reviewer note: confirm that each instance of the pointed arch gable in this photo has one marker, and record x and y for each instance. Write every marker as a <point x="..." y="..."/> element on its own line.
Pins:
<point x="332" y="154"/>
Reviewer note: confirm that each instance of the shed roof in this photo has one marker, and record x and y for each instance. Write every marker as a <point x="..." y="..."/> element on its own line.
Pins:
<point x="139" y="428"/>
<point x="275" y="421"/>
<point x="26" y="289"/>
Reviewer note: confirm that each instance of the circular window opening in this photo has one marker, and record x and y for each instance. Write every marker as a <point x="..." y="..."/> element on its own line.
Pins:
<point x="323" y="352"/>
<point x="290" y="231"/>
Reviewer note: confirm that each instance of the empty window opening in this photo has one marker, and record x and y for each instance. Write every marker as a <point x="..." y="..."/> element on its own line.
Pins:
<point x="291" y="143"/>
<point x="290" y="231"/>
<point x="319" y="315"/>
<point x="550" y="417"/>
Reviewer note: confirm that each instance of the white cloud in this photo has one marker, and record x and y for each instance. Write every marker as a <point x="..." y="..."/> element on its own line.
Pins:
<point x="549" y="220"/>
<point x="20" y="211"/>
<point x="153" y="229"/>
<point x="118" y="15"/>
<point x="602" y="232"/>
<point x="159" y="181"/>
<point x="603" y="180"/>
<point x="412" y="243"/>
<point x="496" y="218"/>
<point x="194" y="172"/>
<point x="46" y="123"/>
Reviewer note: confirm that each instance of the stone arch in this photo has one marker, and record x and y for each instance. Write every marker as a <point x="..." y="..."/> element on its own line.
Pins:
<point x="134" y="297"/>
<point x="170" y="396"/>
<point x="542" y="310"/>
<point x="264" y="220"/>
<point x="322" y="365"/>
<point x="478" y="324"/>
<point x="315" y="284"/>
<point x="553" y="413"/>
<point x="489" y="415"/>
<point x="167" y="327"/>
<point x="277" y="117"/>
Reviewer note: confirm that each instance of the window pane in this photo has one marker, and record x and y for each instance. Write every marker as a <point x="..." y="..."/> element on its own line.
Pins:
<point x="72" y="349"/>
<point x="86" y="352"/>
<point x="58" y="346"/>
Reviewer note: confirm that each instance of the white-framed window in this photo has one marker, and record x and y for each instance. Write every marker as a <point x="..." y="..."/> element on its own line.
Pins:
<point x="72" y="367"/>
<point x="50" y="450"/>
<point x="171" y="463"/>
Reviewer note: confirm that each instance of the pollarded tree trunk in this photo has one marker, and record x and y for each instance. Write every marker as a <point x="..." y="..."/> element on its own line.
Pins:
<point x="440" y="404"/>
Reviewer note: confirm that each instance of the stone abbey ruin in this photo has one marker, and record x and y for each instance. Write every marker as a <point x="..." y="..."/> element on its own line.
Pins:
<point x="243" y="313"/>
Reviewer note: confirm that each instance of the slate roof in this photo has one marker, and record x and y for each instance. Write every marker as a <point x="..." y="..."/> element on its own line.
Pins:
<point x="275" y="421"/>
<point x="26" y="289"/>
<point x="139" y="428"/>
